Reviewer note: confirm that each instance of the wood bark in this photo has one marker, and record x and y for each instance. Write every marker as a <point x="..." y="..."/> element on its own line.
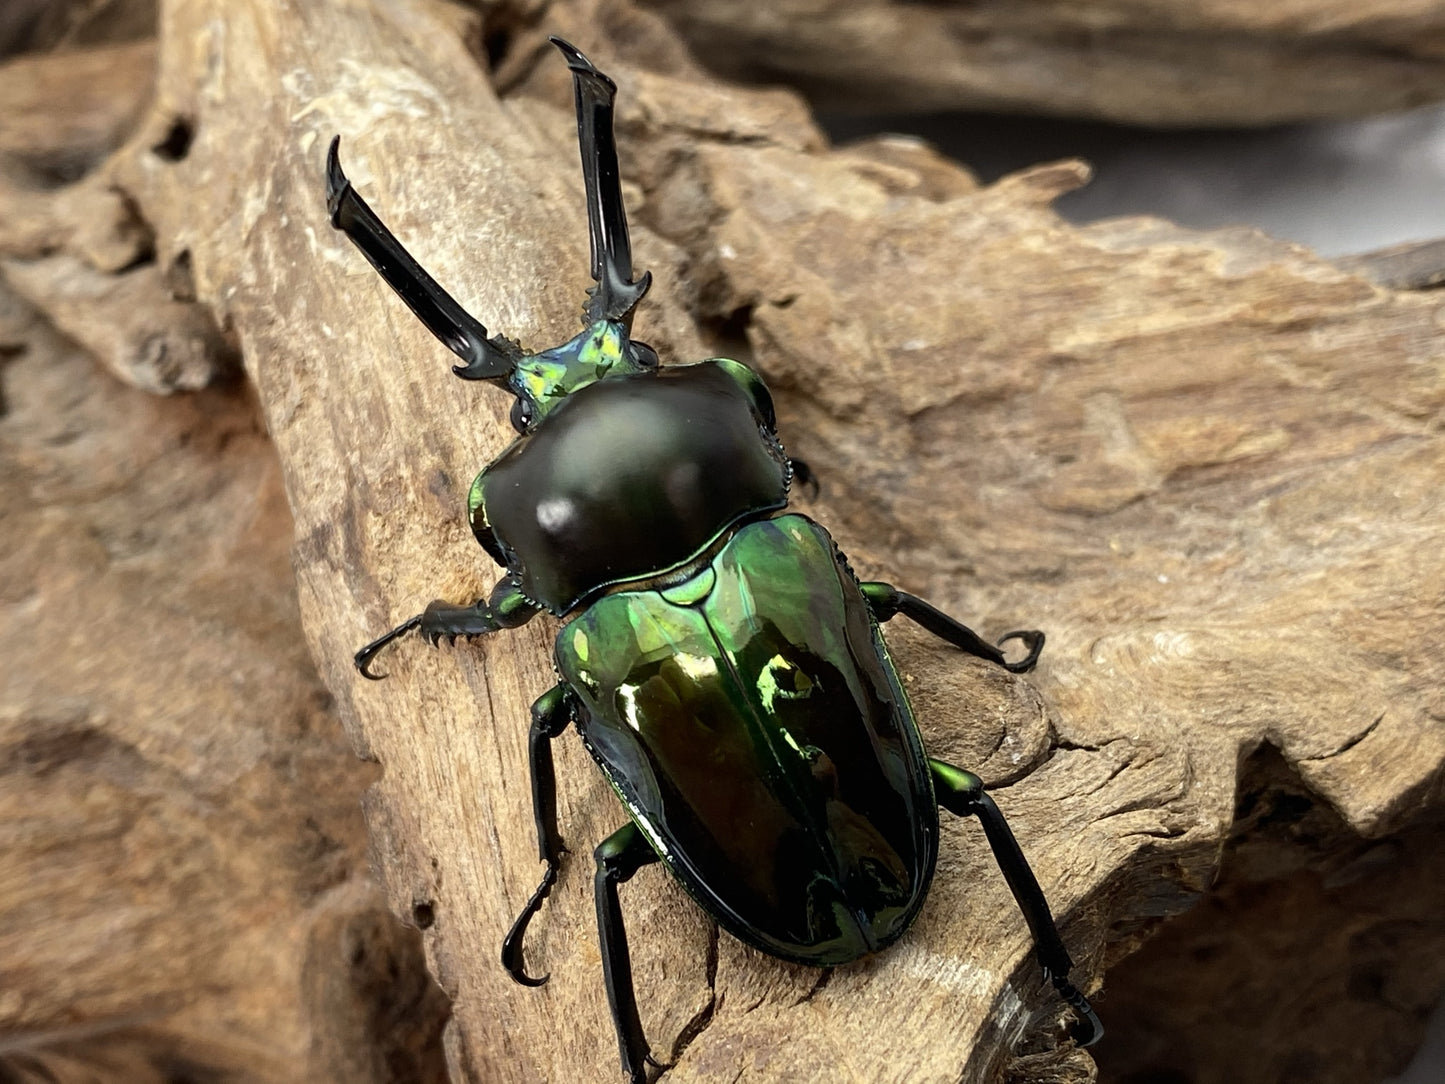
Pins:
<point x="1208" y="465"/>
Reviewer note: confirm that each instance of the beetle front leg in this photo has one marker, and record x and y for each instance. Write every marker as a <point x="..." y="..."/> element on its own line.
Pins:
<point x="619" y="856"/>
<point x="551" y="713"/>
<point x="507" y="608"/>
<point x="961" y="792"/>
<point x="887" y="601"/>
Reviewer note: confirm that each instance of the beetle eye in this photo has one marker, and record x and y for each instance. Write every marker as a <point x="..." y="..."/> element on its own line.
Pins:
<point x="643" y="354"/>
<point x="521" y="415"/>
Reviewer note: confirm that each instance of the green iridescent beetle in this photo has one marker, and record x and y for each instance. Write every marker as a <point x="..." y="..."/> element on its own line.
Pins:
<point x="720" y="660"/>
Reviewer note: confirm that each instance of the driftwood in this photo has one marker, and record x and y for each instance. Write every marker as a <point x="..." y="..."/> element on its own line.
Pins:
<point x="1178" y="63"/>
<point x="183" y="886"/>
<point x="183" y="882"/>
<point x="1207" y="464"/>
<point x="37" y="26"/>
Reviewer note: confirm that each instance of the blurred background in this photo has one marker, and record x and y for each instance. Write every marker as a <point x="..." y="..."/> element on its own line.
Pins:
<point x="1340" y="187"/>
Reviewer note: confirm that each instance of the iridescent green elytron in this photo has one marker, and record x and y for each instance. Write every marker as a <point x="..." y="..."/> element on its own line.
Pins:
<point x="718" y="657"/>
<point x="718" y="708"/>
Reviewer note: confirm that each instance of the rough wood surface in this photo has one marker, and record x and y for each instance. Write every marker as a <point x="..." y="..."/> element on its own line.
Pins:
<point x="1173" y="63"/>
<point x="1304" y="953"/>
<point x="183" y="882"/>
<point x="183" y="887"/>
<point x="83" y="254"/>
<point x="32" y="26"/>
<point x="1208" y="464"/>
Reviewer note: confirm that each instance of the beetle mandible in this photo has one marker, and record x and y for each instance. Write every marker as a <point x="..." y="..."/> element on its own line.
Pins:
<point x="717" y="655"/>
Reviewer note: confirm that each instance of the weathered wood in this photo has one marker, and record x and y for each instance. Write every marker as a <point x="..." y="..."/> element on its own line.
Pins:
<point x="1181" y="63"/>
<point x="183" y="883"/>
<point x="1207" y="464"/>
<point x="32" y="26"/>
<point x="79" y="251"/>
<point x="1302" y="961"/>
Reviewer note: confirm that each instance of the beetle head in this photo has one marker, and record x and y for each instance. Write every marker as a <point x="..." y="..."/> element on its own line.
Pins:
<point x="542" y="381"/>
<point x="539" y="381"/>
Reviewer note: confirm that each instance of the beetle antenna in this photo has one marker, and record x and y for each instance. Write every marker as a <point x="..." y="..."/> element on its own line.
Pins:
<point x="615" y="295"/>
<point x="486" y="357"/>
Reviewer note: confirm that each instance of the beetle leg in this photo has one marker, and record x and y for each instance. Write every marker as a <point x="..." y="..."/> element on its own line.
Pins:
<point x="507" y="608"/>
<point x="364" y="657"/>
<point x="962" y="793"/>
<point x="551" y="713"/>
<point x="619" y="856"/>
<point x="487" y="358"/>
<point x="805" y="477"/>
<point x="887" y="601"/>
<point x="615" y="295"/>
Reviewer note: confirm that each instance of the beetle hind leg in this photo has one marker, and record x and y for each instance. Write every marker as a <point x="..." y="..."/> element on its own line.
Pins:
<point x="887" y="602"/>
<point x="619" y="856"/>
<point x="551" y="713"/>
<point x="962" y="793"/>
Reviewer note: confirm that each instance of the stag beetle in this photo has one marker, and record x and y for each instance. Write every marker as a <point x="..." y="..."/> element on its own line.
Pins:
<point x="718" y="657"/>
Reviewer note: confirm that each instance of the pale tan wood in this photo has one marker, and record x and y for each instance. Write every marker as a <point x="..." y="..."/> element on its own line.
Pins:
<point x="1207" y="464"/>
<point x="80" y="251"/>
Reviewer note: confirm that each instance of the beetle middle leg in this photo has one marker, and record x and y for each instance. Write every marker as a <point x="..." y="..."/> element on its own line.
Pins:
<point x="961" y="792"/>
<point x="887" y="601"/>
<point x="551" y="713"/>
<point x="506" y="608"/>
<point x="619" y="856"/>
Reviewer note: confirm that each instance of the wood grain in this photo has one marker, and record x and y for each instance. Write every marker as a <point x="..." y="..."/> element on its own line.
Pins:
<point x="1208" y="465"/>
